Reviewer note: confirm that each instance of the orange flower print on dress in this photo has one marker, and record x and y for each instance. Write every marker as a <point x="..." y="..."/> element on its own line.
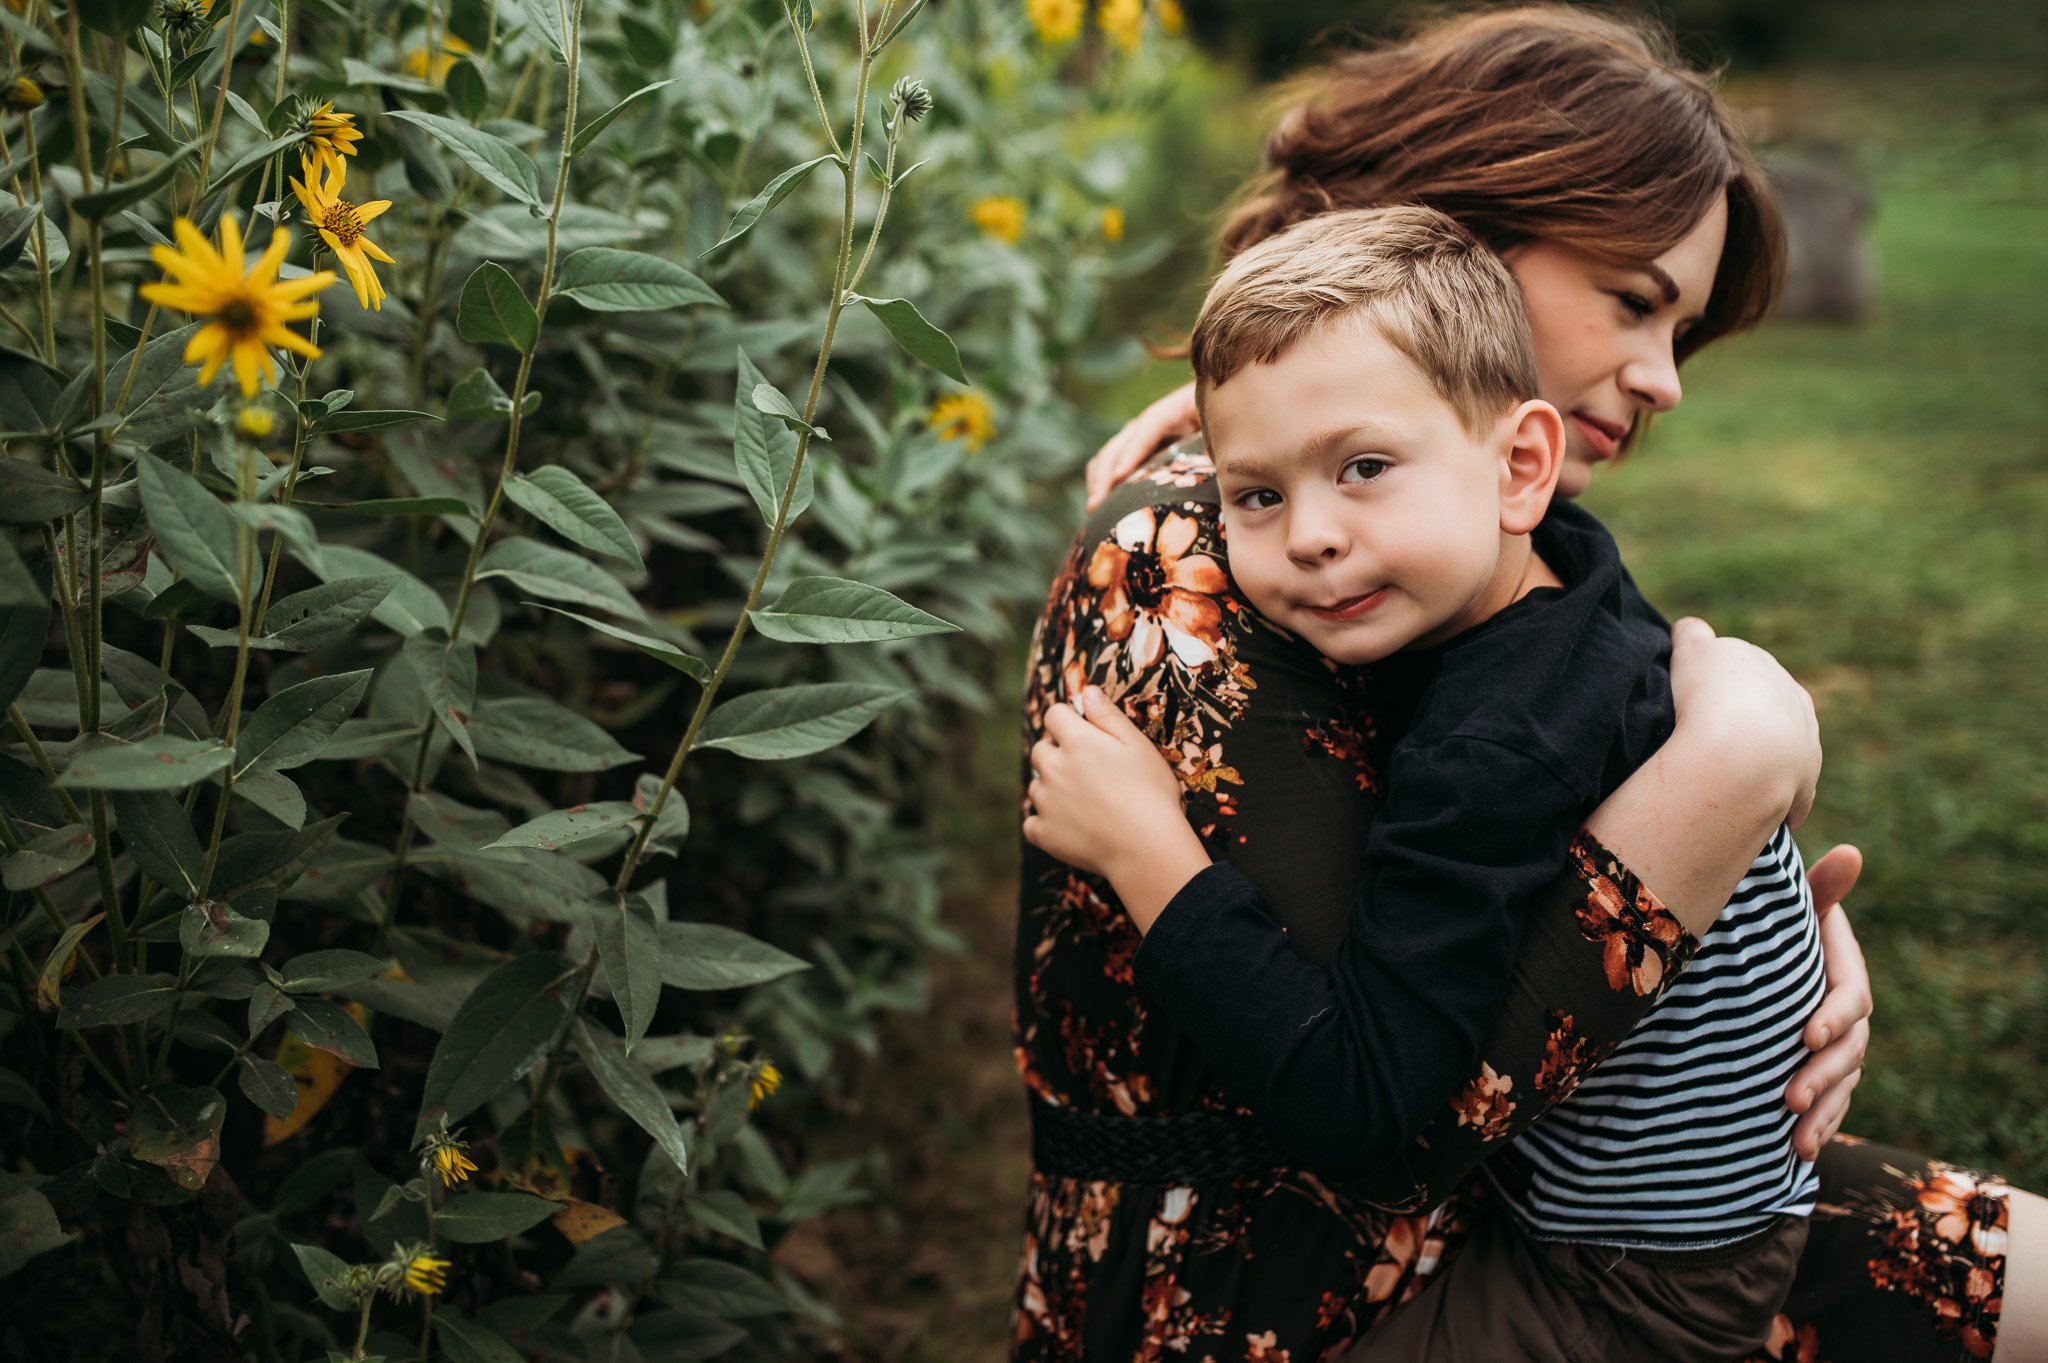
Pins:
<point x="1642" y="945"/>
<point x="1156" y="594"/>
<point x="1265" y="1348"/>
<point x="1484" y="1103"/>
<point x="1789" y="1345"/>
<point x="1566" y="1058"/>
<point x="1948" y="1251"/>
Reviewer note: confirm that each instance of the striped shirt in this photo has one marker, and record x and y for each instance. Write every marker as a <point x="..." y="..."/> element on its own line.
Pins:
<point x="1681" y="1138"/>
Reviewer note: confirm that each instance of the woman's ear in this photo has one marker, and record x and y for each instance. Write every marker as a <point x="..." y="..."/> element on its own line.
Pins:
<point x="1534" y="457"/>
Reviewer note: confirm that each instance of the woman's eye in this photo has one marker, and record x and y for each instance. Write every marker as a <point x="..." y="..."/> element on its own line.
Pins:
<point x="1635" y="304"/>
<point x="1362" y="470"/>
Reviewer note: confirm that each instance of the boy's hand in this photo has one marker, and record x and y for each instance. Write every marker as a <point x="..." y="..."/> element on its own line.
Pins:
<point x="1104" y="800"/>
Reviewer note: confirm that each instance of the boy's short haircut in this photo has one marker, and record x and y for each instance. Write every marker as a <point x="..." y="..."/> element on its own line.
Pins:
<point x="1438" y="296"/>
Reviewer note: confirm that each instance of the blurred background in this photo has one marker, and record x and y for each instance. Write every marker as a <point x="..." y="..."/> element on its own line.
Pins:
<point x="1861" y="487"/>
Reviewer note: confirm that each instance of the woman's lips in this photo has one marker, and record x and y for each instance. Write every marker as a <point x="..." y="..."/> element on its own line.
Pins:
<point x="1351" y="607"/>
<point x="1603" y="436"/>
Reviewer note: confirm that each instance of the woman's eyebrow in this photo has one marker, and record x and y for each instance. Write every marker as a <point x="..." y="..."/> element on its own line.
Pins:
<point x="1663" y="281"/>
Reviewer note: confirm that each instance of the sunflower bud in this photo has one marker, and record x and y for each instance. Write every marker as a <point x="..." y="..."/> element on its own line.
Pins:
<point x="256" y="422"/>
<point x="912" y="98"/>
<point x="22" y="94"/>
<point x="182" y="16"/>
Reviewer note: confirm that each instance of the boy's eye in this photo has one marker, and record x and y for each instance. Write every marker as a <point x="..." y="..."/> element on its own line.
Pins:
<point x="1255" y="499"/>
<point x="1362" y="470"/>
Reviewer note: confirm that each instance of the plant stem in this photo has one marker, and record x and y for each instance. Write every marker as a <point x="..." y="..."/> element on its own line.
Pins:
<point x="220" y="100"/>
<point x="35" y="180"/>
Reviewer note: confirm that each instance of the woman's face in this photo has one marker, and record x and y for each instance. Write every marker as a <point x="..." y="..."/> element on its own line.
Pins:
<point x="1605" y="334"/>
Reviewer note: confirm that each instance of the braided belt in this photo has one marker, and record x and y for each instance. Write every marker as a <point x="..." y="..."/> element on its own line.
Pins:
<point x="1189" y="1147"/>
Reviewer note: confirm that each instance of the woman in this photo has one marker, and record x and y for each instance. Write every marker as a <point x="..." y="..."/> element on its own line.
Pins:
<point x="1159" y="1224"/>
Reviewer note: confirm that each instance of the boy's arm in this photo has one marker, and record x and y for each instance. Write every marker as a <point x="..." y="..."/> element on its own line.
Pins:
<point x="1345" y="1064"/>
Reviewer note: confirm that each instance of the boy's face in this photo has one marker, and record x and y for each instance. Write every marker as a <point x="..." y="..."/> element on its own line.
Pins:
<point x="1360" y="513"/>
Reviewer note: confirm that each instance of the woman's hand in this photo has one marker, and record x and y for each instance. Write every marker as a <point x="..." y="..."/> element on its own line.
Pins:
<point x="1171" y="418"/>
<point x="1838" y="1033"/>
<point x="1104" y="800"/>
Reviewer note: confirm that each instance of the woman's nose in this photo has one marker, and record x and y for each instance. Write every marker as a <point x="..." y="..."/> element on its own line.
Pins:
<point x="1652" y="379"/>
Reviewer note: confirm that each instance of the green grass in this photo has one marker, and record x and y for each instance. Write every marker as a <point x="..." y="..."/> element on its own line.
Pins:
<point x="1869" y="504"/>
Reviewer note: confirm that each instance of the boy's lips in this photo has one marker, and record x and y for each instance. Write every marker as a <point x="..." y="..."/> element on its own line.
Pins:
<point x="1604" y="436"/>
<point x="1350" y="608"/>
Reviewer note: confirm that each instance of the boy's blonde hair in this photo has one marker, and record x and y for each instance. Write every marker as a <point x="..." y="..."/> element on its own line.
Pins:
<point x="1436" y="294"/>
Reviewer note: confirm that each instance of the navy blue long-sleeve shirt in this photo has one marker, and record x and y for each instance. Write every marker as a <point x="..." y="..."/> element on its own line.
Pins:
<point x="1513" y="732"/>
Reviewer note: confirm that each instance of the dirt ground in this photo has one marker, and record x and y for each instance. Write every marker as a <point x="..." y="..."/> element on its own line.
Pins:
<point x="922" y="1274"/>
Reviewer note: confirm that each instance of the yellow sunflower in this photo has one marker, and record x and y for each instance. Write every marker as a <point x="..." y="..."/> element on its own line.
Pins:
<point x="332" y="135"/>
<point x="436" y="71"/>
<point x="762" y="1084"/>
<point x="1112" y="223"/>
<point x="341" y="225"/>
<point x="426" y="1274"/>
<point x="1001" y="216"/>
<point x="245" y="305"/>
<point x="1057" y="21"/>
<point x="1123" y="21"/>
<point x="965" y="417"/>
<point x="1172" y="18"/>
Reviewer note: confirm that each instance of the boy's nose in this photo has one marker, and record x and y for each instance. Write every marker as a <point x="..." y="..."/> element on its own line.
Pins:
<point x="1314" y="539"/>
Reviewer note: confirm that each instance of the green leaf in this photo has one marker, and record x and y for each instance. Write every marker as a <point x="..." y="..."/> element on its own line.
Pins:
<point x="562" y="502"/>
<point x="342" y="423"/>
<point x="629" y="949"/>
<point x="99" y="206"/>
<point x="465" y="1341"/>
<point x="547" y="21"/>
<point x="708" y="956"/>
<point x="178" y="1129"/>
<point x="496" y="160"/>
<point x="796" y="721"/>
<point x="606" y="279"/>
<point x="213" y="929"/>
<point x="402" y="506"/>
<point x="499" y="1033"/>
<point x="558" y="575"/>
<point x="28" y="1225"/>
<point x="116" y="1000"/>
<point x="50" y="982"/>
<point x="563" y="827"/>
<point x="918" y="337"/>
<point x="835" y="610"/>
<point x="627" y="1083"/>
<point x="193" y="530"/>
<point x="765" y="451"/>
<point x="493" y="308"/>
<point x="158" y="834"/>
<point x="479" y="398"/>
<point x="320" y="972"/>
<point x="325" y="1273"/>
<point x="276" y="795"/>
<point x="778" y="189"/>
<point x="44" y="860"/>
<point x="161" y="762"/>
<point x="325" y="1025"/>
<point x="713" y="1287"/>
<point x="268" y="1085"/>
<point x="411" y="605"/>
<point x="290" y="728"/>
<point x="532" y="732"/>
<point x="447" y="676"/>
<point x="772" y="400"/>
<point x="319" y="615"/>
<point x="688" y="664"/>
<point x="293" y="524"/>
<point x="30" y="494"/>
<point x="588" y="133"/>
<point x="250" y="160"/>
<point x="477" y="1218"/>
<point x="727" y="1212"/>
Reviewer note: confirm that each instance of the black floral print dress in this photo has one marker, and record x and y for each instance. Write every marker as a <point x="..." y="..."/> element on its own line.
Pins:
<point x="1277" y="748"/>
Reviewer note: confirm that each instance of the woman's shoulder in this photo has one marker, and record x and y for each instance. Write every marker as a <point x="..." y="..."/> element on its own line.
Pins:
<point x="1179" y="478"/>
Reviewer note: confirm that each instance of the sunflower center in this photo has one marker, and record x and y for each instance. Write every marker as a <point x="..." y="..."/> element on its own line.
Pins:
<point x="239" y="315"/>
<point x="1145" y="579"/>
<point x="341" y="220"/>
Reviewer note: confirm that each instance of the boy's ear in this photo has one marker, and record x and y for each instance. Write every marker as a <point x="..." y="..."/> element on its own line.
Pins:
<point x="1532" y="462"/>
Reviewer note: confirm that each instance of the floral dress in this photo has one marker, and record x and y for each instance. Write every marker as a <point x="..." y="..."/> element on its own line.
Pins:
<point x="1277" y="748"/>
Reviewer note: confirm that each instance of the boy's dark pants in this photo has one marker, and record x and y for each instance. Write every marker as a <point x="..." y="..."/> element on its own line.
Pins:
<point x="1507" y="1298"/>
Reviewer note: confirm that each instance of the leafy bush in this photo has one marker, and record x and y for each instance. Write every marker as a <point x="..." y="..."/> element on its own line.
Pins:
<point x="472" y="725"/>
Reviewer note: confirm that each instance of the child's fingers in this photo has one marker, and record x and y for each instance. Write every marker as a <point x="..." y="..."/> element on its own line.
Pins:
<point x="1834" y="875"/>
<point x="1106" y="715"/>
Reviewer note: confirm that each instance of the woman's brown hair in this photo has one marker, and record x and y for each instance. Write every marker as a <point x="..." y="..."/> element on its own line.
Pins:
<point x="1543" y="123"/>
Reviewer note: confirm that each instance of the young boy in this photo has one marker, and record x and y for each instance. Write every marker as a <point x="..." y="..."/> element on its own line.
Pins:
<point x="1385" y="469"/>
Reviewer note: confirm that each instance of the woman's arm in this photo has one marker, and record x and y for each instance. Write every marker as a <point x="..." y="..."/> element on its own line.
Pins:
<point x="1171" y="418"/>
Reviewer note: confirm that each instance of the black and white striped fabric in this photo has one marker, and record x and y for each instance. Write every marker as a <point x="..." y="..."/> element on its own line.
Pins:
<point x="1682" y="1139"/>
